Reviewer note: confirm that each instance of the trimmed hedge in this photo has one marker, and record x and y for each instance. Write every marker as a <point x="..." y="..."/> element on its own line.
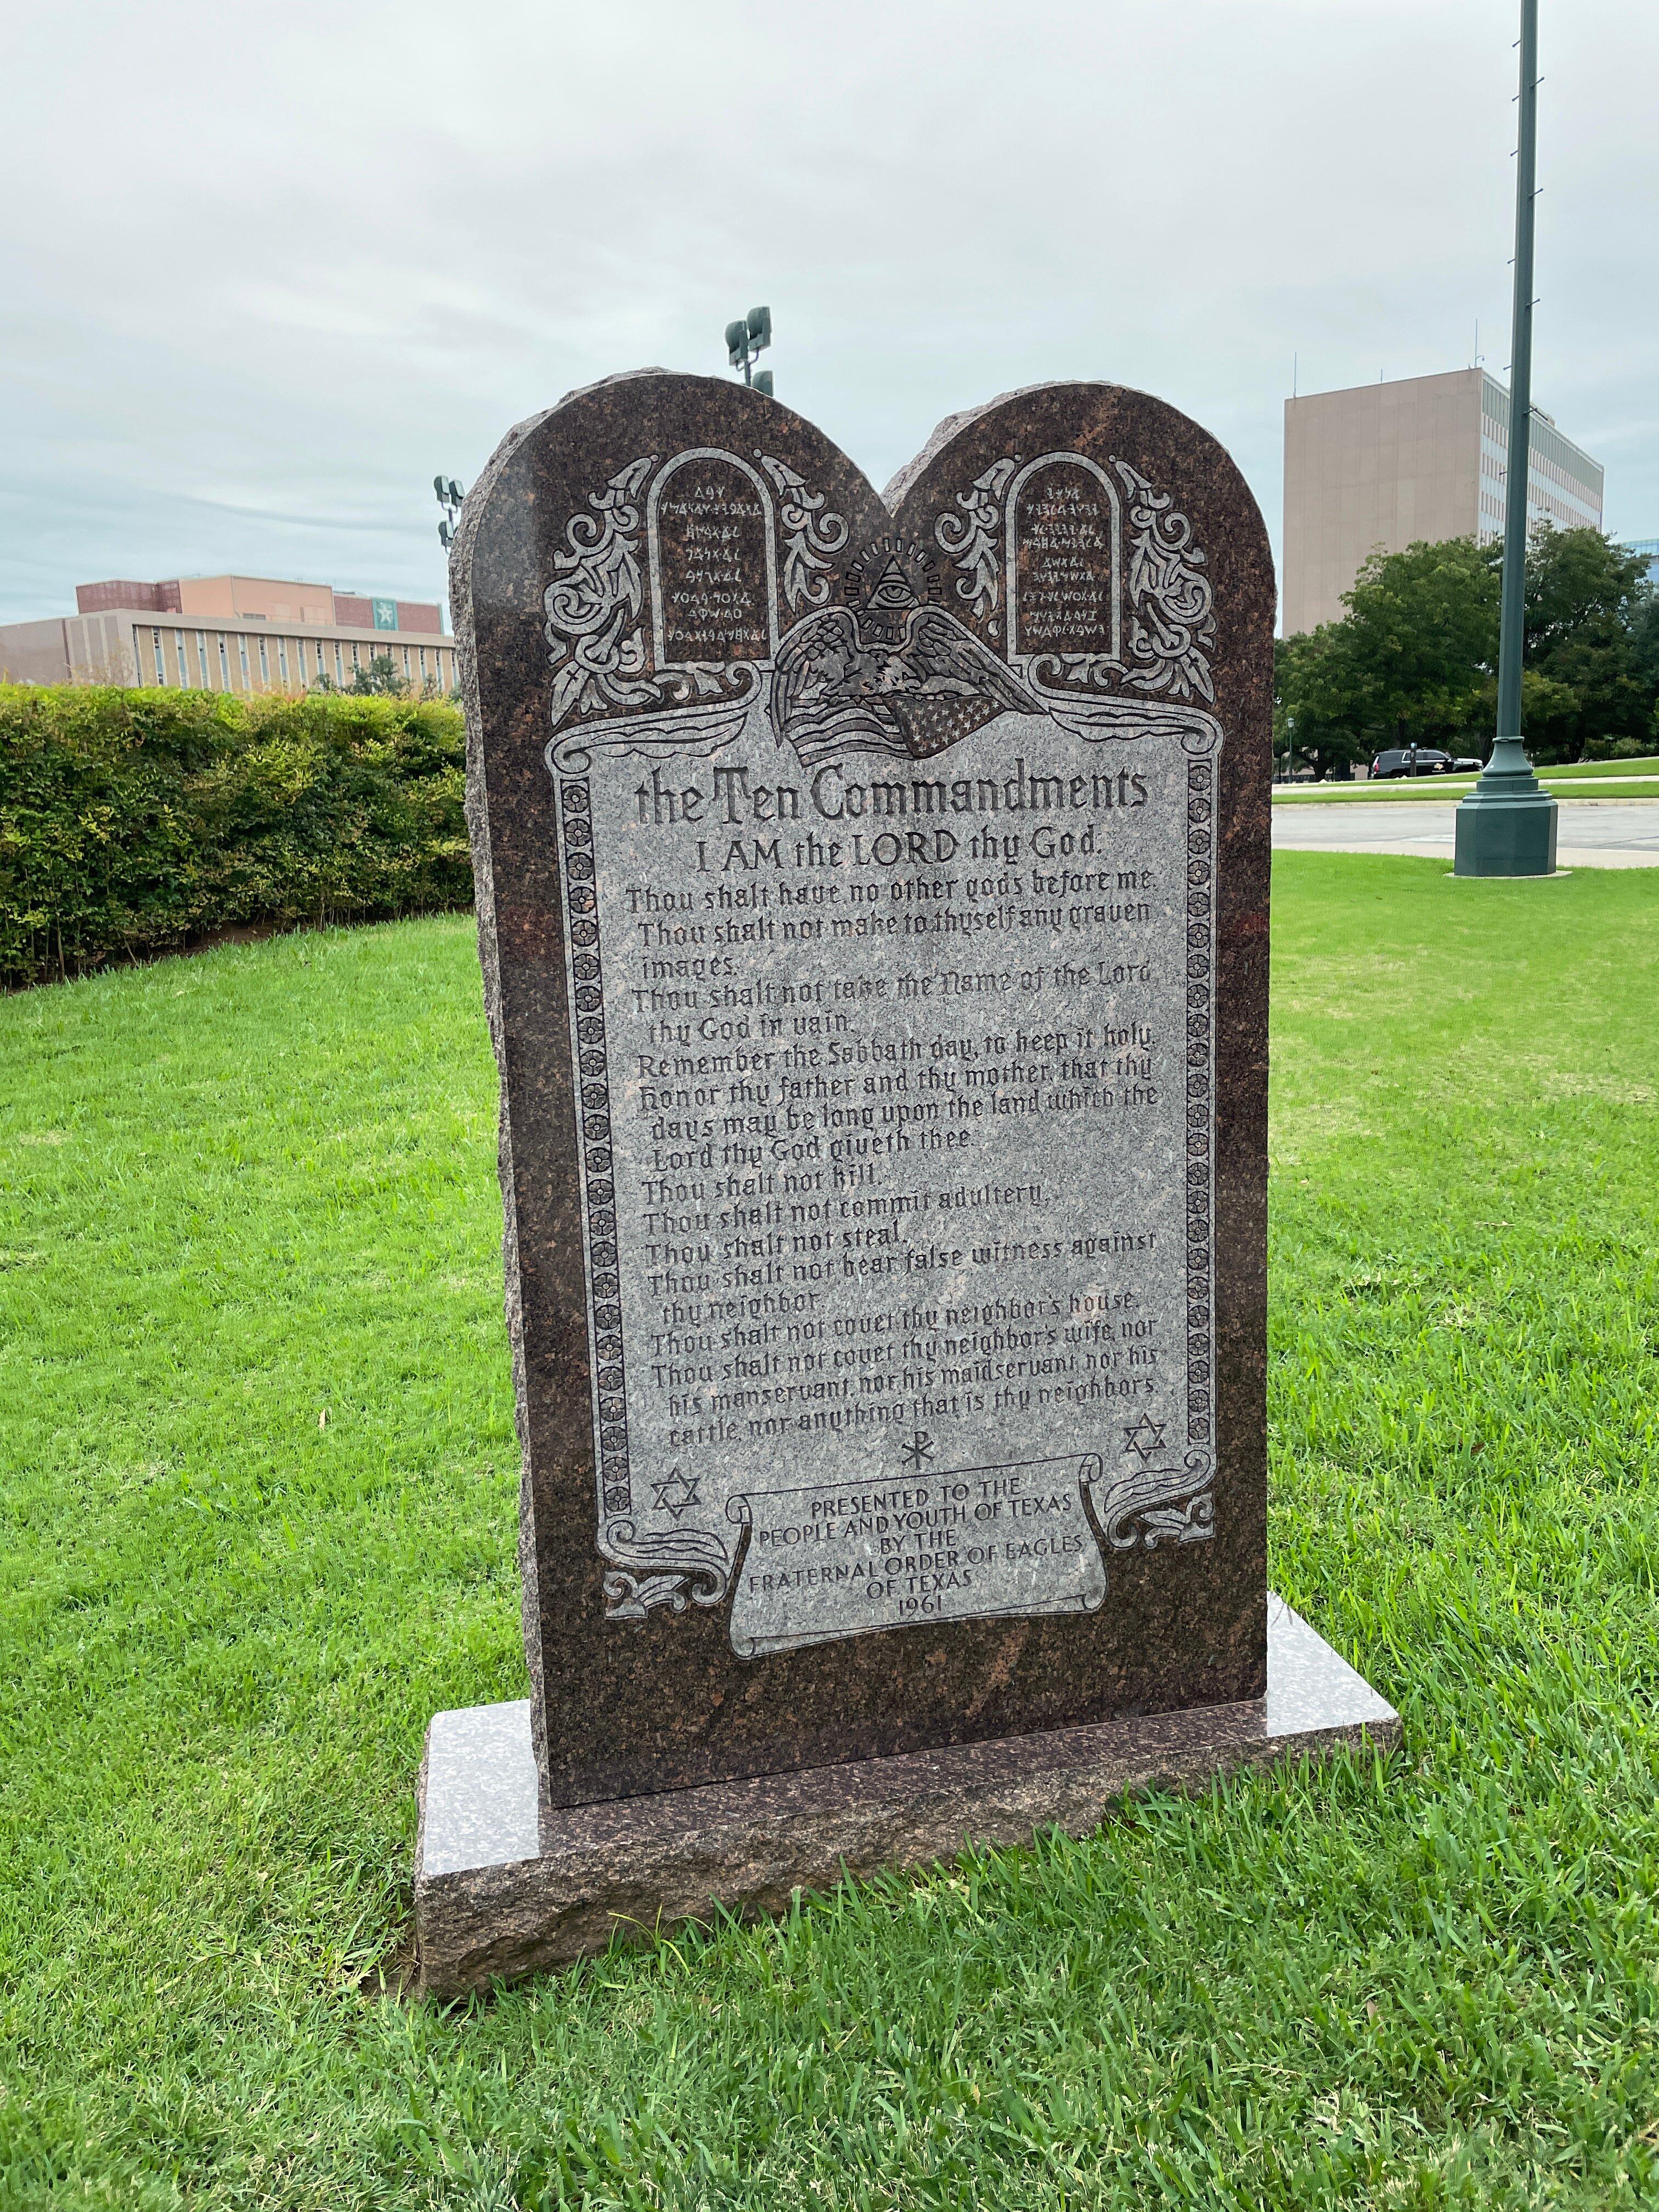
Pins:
<point x="134" y="821"/>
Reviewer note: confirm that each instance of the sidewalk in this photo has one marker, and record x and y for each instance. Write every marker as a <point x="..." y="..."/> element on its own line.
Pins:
<point x="1591" y="833"/>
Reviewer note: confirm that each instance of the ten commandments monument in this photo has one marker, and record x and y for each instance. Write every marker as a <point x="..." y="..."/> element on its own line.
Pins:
<point x="873" y="898"/>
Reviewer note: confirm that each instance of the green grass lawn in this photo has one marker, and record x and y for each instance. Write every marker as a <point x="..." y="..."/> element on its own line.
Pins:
<point x="1578" y="771"/>
<point x="259" y="1495"/>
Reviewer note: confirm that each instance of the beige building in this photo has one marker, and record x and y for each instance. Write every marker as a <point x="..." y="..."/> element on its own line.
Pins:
<point x="1385" y="464"/>
<point x="243" y="634"/>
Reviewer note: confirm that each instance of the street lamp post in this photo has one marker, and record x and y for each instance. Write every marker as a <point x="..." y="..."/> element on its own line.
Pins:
<point x="745" y="342"/>
<point x="450" y="497"/>
<point x="1506" y="826"/>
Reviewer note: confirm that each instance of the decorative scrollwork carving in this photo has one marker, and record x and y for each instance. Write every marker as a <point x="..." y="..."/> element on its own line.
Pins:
<point x="673" y="1567"/>
<point x="1172" y="618"/>
<point x="599" y="660"/>
<point x="1181" y="1524"/>
<point x="695" y="730"/>
<point x="1154" y="1505"/>
<point x="971" y="540"/>
<point x="1071" y="668"/>
<point x="593" y="609"/>
<point x="809" y="536"/>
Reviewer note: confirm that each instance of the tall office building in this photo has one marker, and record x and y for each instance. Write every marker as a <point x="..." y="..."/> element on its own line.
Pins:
<point x="228" y="634"/>
<point x="1385" y="464"/>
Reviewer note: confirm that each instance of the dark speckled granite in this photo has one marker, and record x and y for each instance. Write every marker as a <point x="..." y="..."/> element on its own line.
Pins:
<point x="665" y="1704"/>
<point x="488" y="1907"/>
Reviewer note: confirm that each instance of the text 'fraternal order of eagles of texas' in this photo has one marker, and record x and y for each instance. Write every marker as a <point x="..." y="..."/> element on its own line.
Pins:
<point x="862" y="893"/>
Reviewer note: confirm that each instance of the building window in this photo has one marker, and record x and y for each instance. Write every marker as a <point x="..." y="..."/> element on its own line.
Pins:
<point x="242" y="648"/>
<point x="355" y="663"/>
<point x="407" y="671"/>
<point x="184" y="665"/>
<point x="282" y="659"/>
<point x="264" y="664"/>
<point x="339" y="665"/>
<point x="424" y="668"/>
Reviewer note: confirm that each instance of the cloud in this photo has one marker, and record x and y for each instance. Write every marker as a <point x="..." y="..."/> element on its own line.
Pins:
<point x="269" y="274"/>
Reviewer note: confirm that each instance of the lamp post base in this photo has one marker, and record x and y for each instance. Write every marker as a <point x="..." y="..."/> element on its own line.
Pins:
<point x="1506" y="826"/>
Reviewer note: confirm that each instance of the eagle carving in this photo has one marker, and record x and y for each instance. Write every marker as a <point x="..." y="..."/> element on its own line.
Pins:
<point x="893" y="675"/>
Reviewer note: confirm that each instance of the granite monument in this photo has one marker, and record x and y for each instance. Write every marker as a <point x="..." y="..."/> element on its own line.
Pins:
<point x="872" y="900"/>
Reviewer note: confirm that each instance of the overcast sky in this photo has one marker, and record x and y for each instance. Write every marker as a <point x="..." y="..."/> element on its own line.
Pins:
<point x="270" y="268"/>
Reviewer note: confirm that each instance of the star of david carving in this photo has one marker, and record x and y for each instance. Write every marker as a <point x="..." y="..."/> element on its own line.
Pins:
<point x="676" y="1494"/>
<point x="1146" y="1438"/>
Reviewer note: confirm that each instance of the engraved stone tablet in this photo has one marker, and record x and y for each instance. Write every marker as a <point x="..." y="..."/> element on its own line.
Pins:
<point x="872" y="897"/>
<point x="1064" y="564"/>
<point x="713" y="579"/>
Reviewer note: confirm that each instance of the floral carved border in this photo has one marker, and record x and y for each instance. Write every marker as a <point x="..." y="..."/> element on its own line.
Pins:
<point x="1200" y="1103"/>
<point x="1176" y="1503"/>
<point x="647" y="1568"/>
<point x="1169" y="604"/>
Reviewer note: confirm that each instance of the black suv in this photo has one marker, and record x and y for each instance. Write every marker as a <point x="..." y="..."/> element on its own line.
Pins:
<point x="1421" y="760"/>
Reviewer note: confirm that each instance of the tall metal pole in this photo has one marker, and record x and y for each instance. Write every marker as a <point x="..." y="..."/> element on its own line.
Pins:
<point x="1506" y="826"/>
<point x="1520" y="456"/>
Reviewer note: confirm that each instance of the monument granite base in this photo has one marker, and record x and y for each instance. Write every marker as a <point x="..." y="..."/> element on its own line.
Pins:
<point x="873" y="896"/>
<point x="494" y="1900"/>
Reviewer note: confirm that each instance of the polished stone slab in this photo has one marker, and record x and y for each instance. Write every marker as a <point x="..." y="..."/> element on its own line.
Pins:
<point x="872" y="895"/>
<point x="489" y="1905"/>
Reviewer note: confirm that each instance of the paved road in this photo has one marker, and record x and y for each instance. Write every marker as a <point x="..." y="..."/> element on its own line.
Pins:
<point x="1592" y="832"/>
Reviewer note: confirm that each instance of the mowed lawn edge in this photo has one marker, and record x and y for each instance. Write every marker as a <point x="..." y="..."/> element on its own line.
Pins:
<point x="259" y="1482"/>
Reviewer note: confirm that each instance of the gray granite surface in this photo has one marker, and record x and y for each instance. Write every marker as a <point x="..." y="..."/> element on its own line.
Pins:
<point x="490" y="1906"/>
<point x="479" y="1792"/>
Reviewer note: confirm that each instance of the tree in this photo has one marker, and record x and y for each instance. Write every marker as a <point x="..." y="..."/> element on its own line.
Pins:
<point x="1414" y="659"/>
<point x="1644" y="656"/>
<point x="1587" y="607"/>
<point x="1549" y="716"/>
<point x="1644" y="642"/>
<point x="1405" y="665"/>
<point x="1314" y="726"/>
<point x="380" y="679"/>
